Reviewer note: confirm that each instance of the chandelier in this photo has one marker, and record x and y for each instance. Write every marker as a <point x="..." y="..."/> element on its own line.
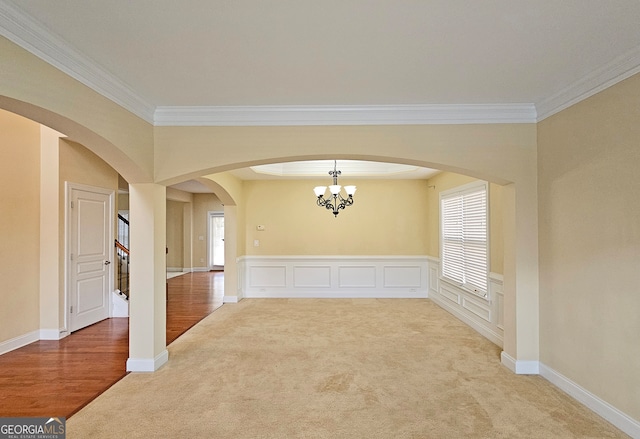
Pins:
<point x="335" y="201"/>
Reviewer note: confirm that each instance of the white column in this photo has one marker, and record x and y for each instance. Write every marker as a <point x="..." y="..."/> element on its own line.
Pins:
<point x="187" y="231"/>
<point x="51" y="300"/>
<point x="147" y="304"/>
<point x="521" y="351"/>
<point x="231" y="293"/>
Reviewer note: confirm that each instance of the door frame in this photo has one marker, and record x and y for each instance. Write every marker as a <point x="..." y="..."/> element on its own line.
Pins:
<point x="211" y="214"/>
<point x="69" y="187"/>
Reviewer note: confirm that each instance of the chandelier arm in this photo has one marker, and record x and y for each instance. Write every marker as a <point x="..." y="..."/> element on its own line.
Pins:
<point x="348" y="201"/>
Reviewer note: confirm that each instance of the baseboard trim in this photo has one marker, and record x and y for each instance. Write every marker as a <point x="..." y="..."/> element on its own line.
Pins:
<point x="616" y="417"/>
<point x="199" y="269"/>
<point x="33" y="336"/>
<point x="175" y="269"/>
<point x="19" y="341"/>
<point x="230" y="299"/>
<point x="147" y="364"/>
<point x="520" y="367"/>
<point x="52" y="334"/>
<point x="621" y="420"/>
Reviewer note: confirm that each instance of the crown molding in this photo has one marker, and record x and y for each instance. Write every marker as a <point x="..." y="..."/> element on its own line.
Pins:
<point x="610" y="74"/>
<point x="345" y="115"/>
<point x="32" y="36"/>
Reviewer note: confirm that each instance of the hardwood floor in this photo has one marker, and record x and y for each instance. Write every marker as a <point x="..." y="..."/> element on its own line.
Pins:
<point x="58" y="378"/>
<point x="192" y="297"/>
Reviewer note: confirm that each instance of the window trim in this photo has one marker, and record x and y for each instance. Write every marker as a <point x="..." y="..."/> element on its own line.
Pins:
<point x="461" y="191"/>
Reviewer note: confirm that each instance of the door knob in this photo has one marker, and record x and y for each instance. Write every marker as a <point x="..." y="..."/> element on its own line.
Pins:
<point x="107" y="262"/>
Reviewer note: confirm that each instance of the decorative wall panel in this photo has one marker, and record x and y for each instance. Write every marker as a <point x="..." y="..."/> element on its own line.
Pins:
<point x="484" y="314"/>
<point x="311" y="276"/>
<point x="333" y="276"/>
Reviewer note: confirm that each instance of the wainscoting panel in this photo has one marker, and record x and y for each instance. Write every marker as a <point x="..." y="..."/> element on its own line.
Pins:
<point x="434" y="284"/>
<point x="451" y="294"/>
<point x="479" y="309"/>
<point x="497" y="302"/>
<point x="265" y="276"/>
<point x="485" y="315"/>
<point x="333" y="276"/>
<point x="357" y="277"/>
<point x="311" y="277"/>
<point x="399" y="277"/>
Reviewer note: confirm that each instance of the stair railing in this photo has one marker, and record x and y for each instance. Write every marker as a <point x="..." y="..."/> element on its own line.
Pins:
<point x="123" y="255"/>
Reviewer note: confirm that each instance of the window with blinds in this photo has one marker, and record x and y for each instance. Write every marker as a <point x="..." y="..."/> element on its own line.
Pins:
<point x="463" y="240"/>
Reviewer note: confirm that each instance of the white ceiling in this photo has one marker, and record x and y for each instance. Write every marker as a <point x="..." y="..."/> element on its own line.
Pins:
<point x="310" y="61"/>
<point x="341" y="52"/>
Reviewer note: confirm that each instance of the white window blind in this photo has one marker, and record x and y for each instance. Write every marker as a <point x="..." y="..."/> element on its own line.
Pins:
<point x="464" y="237"/>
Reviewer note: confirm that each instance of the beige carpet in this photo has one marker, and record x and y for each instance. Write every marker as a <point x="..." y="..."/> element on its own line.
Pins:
<point x="307" y="368"/>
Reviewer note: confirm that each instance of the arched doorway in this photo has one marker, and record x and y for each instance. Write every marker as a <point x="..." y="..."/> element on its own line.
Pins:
<point x="519" y="215"/>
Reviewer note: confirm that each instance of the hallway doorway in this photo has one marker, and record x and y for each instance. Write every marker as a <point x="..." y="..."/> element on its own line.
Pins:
<point x="215" y="231"/>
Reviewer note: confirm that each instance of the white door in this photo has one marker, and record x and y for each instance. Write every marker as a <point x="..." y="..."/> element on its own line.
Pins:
<point x="90" y="255"/>
<point x="216" y="240"/>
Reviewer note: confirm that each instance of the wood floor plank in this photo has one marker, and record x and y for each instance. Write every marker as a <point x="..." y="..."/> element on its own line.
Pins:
<point x="58" y="378"/>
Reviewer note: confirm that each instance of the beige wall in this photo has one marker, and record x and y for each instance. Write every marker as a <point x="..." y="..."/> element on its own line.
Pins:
<point x="175" y="234"/>
<point x="50" y="323"/>
<point x="175" y="221"/>
<point x="35" y="89"/>
<point x="19" y="226"/>
<point x="123" y="201"/>
<point x="589" y="182"/>
<point x="388" y="218"/>
<point x="447" y="180"/>
<point x="495" y="152"/>
<point x="496" y="231"/>
<point x="202" y="204"/>
<point x="79" y="165"/>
